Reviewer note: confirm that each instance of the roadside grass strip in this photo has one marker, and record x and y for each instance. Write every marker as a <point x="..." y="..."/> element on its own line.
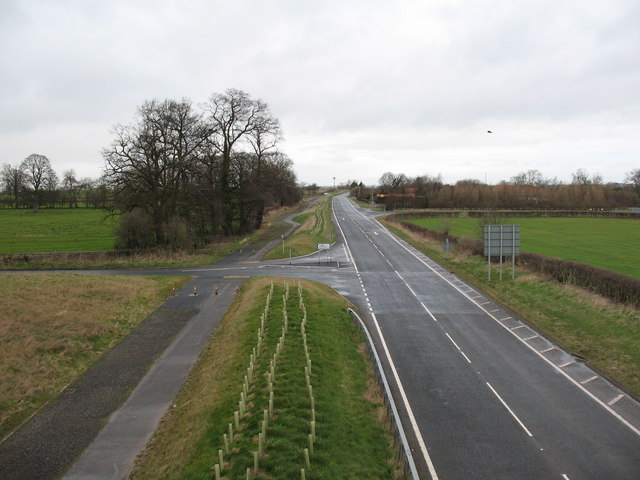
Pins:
<point x="302" y="404"/>
<point x="316" y="227"/>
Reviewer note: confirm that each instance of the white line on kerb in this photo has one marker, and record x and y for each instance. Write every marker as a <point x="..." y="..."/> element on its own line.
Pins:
<point x="509" y="410"/>
<point x="564" y="475"/>
<point x="588" y="380"/>
<point x="571" y="362"/>
<point x="615" y="400"/>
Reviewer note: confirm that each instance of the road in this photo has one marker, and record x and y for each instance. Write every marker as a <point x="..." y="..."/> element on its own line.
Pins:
<point x="484" y="395"/>
<point x="481" y="395"/>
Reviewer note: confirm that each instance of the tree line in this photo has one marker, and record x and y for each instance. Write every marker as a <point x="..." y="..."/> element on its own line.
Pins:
<point x="526" y="190"/>
<point x="33" y="183"/>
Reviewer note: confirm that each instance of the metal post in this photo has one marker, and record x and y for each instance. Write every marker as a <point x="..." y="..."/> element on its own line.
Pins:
<point x="501" y="240"/>
<point x="513" y="254"/>
<point x="488" y="229"/>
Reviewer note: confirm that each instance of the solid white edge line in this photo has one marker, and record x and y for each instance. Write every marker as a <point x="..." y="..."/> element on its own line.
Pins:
<point x="509" y="410"/>
<point x="565" y="374"/>
<point x="405" y="400"/>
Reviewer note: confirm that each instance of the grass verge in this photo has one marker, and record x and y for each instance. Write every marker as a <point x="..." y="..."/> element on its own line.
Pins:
<point x="315" y="227"/>
<point x="607" y="335"/>
<point x="54" y="326"/>
<point x="351" y="439"/>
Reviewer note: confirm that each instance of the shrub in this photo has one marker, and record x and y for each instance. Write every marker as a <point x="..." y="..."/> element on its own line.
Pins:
<point x="176" y="234"/>
<point x="136" y="231"/>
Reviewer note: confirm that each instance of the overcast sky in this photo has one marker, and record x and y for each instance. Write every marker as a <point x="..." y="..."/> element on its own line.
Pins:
<point x="361" y="87"/>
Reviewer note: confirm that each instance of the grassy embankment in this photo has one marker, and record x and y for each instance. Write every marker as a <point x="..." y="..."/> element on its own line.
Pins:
<point x="223" y="405"/>
<point x="606" y="334"/>
<point x="609" y="243"/>
<point x="315" y="227"/>
<point x="58" y="231"/>
<point x="53" y="327"/>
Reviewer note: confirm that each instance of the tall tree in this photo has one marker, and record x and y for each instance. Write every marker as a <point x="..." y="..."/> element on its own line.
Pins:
<point x="13" y="181"/>
<point x="149" y="162"/>
<point x="233" y="117"/>
<point x="633" y="177"/>
<point x="39" y="177"/>
<point x="71" y="187"/>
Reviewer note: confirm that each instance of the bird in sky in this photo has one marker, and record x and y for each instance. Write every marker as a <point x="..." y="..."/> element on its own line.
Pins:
<point x="489" y="131"/>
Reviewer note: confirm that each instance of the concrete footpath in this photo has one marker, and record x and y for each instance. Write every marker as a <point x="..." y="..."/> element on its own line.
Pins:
<point x="112" y="455"/>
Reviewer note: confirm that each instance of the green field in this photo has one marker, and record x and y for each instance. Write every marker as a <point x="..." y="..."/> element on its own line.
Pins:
<point x="55" y="230"/>
<point x="610" y="243"/>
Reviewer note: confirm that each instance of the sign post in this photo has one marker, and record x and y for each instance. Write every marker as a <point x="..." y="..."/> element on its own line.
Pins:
<point x="501" y="240"/>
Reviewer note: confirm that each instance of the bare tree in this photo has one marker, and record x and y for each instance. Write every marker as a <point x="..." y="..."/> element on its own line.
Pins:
<point x="633" y="177"/>
<point x="234" y="117"/>
<point x="148" y="164"/>
<point x="13" y="181"/>
<point x="39" y="177"/>
<point x="71" y="187"/>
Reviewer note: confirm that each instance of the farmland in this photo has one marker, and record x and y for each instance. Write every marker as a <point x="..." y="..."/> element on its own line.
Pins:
<point x="55" y="230"/>
<point x="609" y="243"/>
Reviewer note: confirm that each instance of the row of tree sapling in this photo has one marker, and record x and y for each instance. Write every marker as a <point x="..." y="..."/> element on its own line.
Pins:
<point x="259" y="380"/>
